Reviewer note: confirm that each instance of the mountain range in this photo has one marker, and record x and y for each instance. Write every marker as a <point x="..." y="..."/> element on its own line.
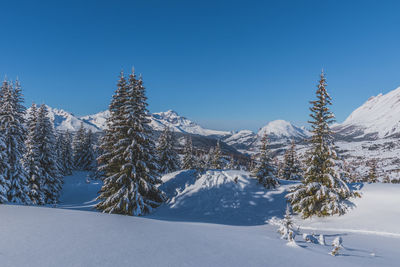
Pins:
<point x="378" y="118"/>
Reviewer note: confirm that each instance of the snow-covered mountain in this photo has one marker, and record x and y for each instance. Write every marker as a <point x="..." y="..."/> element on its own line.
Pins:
<point x="99" y="120"/>
<point x="181" y="124"/>
<point x="66" y="121"/>
<point x="379" y="117"/>
<point x="279" y="129"/>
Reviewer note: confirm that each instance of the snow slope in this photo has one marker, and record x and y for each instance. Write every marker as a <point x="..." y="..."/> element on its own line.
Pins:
<point x="378" y="116"/>
<point x="38" y="236"/>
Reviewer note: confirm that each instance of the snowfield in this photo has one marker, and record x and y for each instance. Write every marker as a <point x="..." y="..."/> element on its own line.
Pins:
<point x="216" y="219"/>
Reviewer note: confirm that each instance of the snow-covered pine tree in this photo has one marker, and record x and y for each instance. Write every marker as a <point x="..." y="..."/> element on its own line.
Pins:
<point x="322" y="192"/>
<point x="78" y="147"/>
<point x="286" y="228"/>
<point x="87" y="161"/>
<point x="372" y="176"/>
<point x="48" y="161"/>
<point x="291" y="169"/>
<point x="216" y="162"/>
<point x="167" y="156"/>
<point x="264" y="171"/>
<point x="66" y="155"/>
<point x="128" y="158"/>
<point x="188" y="160"/>
<point x="232" y="164"/>
<point x="4" y="183"/>
<point x="13" y="132"/>
<point x="31" y="159"/>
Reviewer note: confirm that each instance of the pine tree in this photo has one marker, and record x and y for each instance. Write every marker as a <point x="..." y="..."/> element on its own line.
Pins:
<point x="322" y="192"/>
<point x="48" y="162"/>
<point x="216" y="157"/>
<point x="263" y="170"/>
<point x="32" y="159"/>
<point x="188" y="160"/>
<point x="78" y="146"/>
<point x="372" y="176"/>
<point x="66" y="155"/>
<point x="128" y="154"/>
<point x="232" y="164"/>
<point x="88" y="155"/>
<point x="4" y="183"/>
<point x="286" y="228"/>
<point x="291" y="169"/>
<point x="13" y="133"/>
<point x="167" y="157"/>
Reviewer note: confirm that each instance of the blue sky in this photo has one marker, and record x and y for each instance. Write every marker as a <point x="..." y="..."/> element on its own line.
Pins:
<point x="225" y="64"/>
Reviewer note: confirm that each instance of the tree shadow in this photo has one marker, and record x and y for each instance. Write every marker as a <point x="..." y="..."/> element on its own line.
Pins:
<point x="243" y="203"/>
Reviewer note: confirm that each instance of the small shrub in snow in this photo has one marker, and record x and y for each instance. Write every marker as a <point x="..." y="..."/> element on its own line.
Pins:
<point x="287" y="226"/>
<point x="337" y="245"/>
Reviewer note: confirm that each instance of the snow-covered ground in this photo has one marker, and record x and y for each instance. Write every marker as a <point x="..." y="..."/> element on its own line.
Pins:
<point x="217" y="219"/>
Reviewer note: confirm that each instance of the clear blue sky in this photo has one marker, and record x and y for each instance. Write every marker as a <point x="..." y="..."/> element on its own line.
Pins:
<point x="225" y="64"/>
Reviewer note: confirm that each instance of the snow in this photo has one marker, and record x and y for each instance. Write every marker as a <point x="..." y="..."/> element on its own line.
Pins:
<point x="380" y="115"/>
<point x="99" y="119"/>
<point x="182" y="233"/>
<point x="66" y="121"/>
<point x="282" y="128"/>
<point x="158" y="121"/>
<point x="181" y="124"/>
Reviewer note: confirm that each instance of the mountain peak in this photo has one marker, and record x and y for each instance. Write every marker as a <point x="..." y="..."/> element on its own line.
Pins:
<point x="379" y="115"/>
<point x="282" y="128"/>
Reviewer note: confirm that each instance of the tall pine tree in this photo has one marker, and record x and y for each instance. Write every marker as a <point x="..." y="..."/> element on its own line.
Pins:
<point x="48" y="162"/>
<point x="13" y="132"/>
<point x="32" y="159"/>
<point x="64" y="153"/>
<point x="322" y="192"/>
<point x="128" y="154"/>
<point x="167" y="157"/>
<point x="78" y="146"/>
<point x="264" y="171"/>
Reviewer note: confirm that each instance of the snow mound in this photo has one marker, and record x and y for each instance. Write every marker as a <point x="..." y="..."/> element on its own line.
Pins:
<point x="224" y="197"/>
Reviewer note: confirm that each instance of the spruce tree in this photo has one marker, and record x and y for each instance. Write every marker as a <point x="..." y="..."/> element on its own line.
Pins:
<point x="48" y="162"/>
<point x="322" y="192"/>
<point x="291" y="169"/>
<point x="263" y="170"/>
<point x="32" y="159"/>
<point x="78" y="146"/>
<point x="13" y="133"/>
<point x="372" y="176"/>
<point x="216" y="157"/>
<point x="66" y="154"/>
<point x="232" y="164"/>
<point x="188" y="160"/>
<point x="87" y="161"/>
<point x="167" y="157"/>
<point x="128" y="154"/>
